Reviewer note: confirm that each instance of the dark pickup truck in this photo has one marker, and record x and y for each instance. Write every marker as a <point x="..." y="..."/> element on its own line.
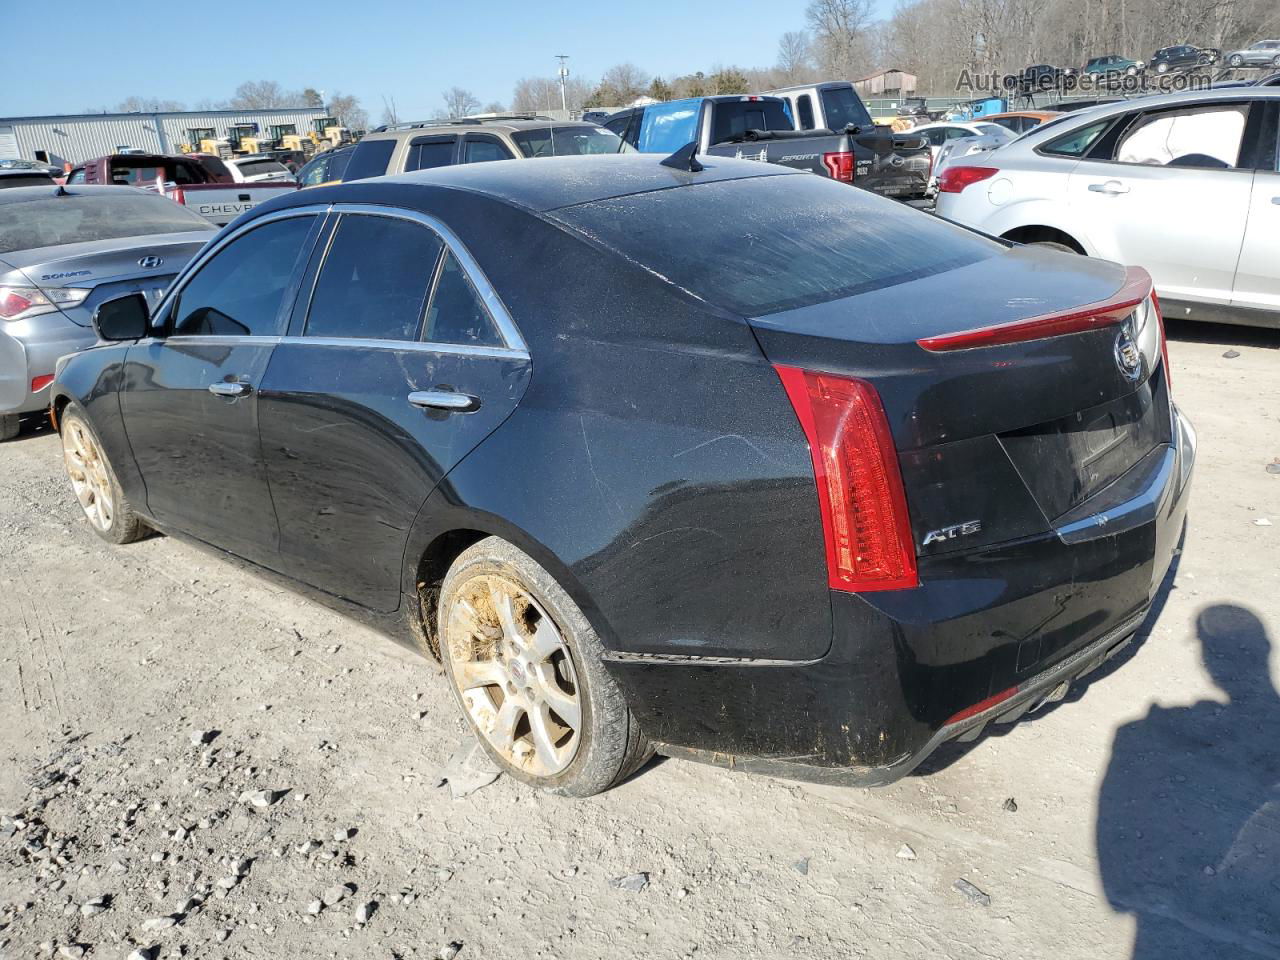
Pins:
<point x="762" y="128"/>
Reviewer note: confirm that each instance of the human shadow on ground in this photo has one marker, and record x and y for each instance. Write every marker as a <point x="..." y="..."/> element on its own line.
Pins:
<point x="1189" y="812"/>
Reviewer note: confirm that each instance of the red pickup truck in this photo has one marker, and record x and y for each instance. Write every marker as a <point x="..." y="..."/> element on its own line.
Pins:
<point x="181" y="179"/>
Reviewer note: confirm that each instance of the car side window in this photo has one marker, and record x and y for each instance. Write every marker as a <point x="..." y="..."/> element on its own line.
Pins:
<point x="240" y="290"/>
<point x="483" y="150"/>
<point x="369" y="159"/>
<point x="1075" y="143"/>
<point x="804" y="110"/>
<point x="429" y="154"/>
<point x="375" y="279"/>
<point x="456" y="314"/>
<point x="314" y="172"/>
<point x="1205" y="136"/>
<point x="77" y="176"/>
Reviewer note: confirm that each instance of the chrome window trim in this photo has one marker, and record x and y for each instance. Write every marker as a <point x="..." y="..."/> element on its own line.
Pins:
<point x="507" y="328"/>
<point x="412" y="346"/>
<point x="220" y="240"/>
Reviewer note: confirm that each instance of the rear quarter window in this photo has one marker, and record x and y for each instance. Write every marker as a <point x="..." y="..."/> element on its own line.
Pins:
<point x="758" y="246"/>
<point x="369" y="159"/>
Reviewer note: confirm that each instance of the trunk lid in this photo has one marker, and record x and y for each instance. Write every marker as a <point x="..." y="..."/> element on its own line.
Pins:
<point x="1009" y="436"/>
<point x="108" y="268"/>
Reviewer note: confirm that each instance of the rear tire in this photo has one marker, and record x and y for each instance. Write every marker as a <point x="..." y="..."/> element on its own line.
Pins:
<point x="525" y="666"/>
<point x="94" y="482"/>
<point x="10" y="424"/>
<point x="1236" y="62"/>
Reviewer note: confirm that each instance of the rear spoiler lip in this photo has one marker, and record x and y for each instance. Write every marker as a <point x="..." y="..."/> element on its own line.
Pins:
<point x="1136" y="288"/>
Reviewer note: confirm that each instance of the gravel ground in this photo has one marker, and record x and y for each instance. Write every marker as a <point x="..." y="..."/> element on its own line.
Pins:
<point x="196" y="762"/>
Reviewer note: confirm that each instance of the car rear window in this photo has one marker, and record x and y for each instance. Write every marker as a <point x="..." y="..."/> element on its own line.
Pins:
<point x="762" y="245"/>
<point x="842" y="106"/>
<point x="369" y="159"/>
<point x="76" y="219"/>
<point x="32" y="179"/>
<point x="253" y="168"/>
<point x="568" y="142"/>
<point x="730" y="119"/>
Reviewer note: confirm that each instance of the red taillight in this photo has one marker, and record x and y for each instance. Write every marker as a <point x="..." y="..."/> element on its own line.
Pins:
<point x="13" y="303"/>
<point x="1136" y="288"/>
<point x="39" y="383"/>
<point x="839" y="165"/>
<point x="1164" y="344"/>
<point x="864" y="509"/>
<point x="955" y="179"/>
<point x="178" y="195"/>
<point x="982" y="705"/>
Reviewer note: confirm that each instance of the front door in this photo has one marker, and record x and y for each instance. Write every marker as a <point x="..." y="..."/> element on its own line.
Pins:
<point x="190" y="396"/>
<point x="400" y="365"/>
<point x="1169" y="195"/>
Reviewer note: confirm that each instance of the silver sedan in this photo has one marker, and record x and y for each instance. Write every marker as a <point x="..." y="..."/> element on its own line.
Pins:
<point x="62" y="252"/>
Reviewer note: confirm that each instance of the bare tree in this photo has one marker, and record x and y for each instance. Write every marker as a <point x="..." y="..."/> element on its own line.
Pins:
<point x="311" y="97"/>
<point x="795" y="57"/>
<point x="263" y="95"/>
<point x="620" y="85"/>
<point x="840" y="36"/>
<point x="493" y="106"/>
<point x="148" y="105"/>
<point x="349" y="113"/>
<point x="459" y="102"/>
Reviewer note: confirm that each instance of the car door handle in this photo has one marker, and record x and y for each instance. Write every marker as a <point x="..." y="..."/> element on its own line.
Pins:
<point x="444" y="400"/>
<point x="1111" y="187"/>
<point x="230" y="388"/>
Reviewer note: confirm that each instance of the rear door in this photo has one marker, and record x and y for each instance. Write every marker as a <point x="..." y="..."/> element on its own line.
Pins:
<point x="483" y="147"/>
<point x="401" y="363"/>
<point x="190" y="397"/>
<point x="1164" y="190"/>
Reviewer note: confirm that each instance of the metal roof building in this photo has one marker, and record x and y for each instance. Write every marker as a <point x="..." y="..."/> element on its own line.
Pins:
<point x="78" y="137"/>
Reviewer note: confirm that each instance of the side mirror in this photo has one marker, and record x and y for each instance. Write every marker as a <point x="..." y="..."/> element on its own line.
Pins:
<point x="124" y="318"/>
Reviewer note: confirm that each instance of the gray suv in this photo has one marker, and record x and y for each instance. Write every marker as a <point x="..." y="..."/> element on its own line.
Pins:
<point x="1264" y="53"/>
<point x="441" y="143"/>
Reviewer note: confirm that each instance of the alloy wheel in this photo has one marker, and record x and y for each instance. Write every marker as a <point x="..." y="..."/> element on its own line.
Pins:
<point x="90" y="476"/>
<point x="515" y="675"/>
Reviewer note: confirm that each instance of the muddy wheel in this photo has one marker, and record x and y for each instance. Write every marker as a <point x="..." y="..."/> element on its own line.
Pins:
<point x="9" y="426"/>
<point x="94" y="482"/>
<point x="525" y="666"/>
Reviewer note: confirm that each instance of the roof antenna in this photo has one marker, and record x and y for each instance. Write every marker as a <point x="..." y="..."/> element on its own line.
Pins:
<point x="62" y="191"/>
<point x="685" y="158"/>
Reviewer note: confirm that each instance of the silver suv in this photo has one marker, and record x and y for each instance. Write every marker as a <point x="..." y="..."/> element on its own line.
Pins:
<point x="441" y="143"/>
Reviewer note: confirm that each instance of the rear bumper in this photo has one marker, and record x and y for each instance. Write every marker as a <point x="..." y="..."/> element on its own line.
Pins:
<point x="986" y="637"/>
<point x="30" y="349"/>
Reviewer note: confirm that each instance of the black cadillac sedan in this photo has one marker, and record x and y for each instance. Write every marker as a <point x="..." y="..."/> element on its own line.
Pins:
<point x="733" y="463"/>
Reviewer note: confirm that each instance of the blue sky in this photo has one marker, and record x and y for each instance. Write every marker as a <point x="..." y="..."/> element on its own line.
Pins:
<point x="84" y="56"/>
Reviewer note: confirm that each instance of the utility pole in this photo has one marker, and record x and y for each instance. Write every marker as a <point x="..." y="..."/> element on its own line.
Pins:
<point x="564" y="75"/>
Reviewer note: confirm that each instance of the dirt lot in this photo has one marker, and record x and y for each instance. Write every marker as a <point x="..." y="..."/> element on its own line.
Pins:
<point x="195" y="762"/>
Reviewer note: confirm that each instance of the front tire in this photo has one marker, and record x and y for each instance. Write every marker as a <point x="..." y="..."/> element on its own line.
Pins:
<point x="94" y="482"/>
<point x="1054" y="245"/>
<point x="1236" y="61"/>
<point x="1162" y="68"/>
<point x="525" y="666"/>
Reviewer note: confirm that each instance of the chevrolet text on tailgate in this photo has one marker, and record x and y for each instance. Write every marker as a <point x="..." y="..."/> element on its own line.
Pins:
<point x="181" y="179"/>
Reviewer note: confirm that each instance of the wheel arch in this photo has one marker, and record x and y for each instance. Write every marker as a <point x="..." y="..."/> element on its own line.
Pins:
<point x="1038" y="232"/>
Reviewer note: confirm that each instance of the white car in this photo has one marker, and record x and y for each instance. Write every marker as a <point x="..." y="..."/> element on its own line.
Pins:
<point x="1185" y="185"/>
<point x="258" y="168"/>
<point x="944" y="131"/>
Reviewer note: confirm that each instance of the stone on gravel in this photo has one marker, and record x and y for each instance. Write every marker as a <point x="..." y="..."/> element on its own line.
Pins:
<point x="72" y="951"/>
<point x="365" y="911"/>
<point x="973" y="893"/>
<point x="1274" y="468"/>
<point x="200" y="737"/>
<point x="468" y="770"/>
<point x="308" y="848"/>
<point x="905" y="853"/>
<point x="314" y="907"/>
<point x="344" y="833"/>
<point x="143" y="953"/>
<point x="632" y="882"/>
<point x="93" y="906"/>
<point x="1010" y="805"/>
<point x="227" y="883"/>
<point x="335" y="894"/>
<point x="1231" y="354"/>
<point x="261" y="798"/>
<point x="241" y="866"/>
<point x="801" y="866"/>
<point x="449" y="951"/>
<point x="159" y="923"/>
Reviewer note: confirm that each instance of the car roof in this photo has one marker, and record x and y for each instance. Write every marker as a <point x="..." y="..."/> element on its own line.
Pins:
<point x="1036" y="114"/>
<point x="549" y="184"/>
<point x="1157" y="100"/>
<point x="42" y="192"/>
<point x="471" y="124"/>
